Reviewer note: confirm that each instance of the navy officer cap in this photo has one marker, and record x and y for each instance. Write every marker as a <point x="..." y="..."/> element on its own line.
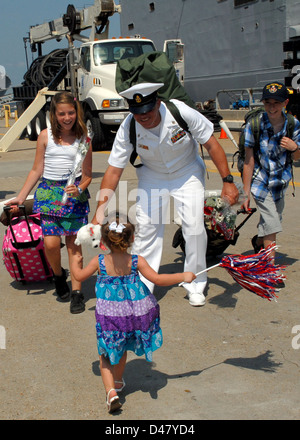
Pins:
<point x="141" y="97"/>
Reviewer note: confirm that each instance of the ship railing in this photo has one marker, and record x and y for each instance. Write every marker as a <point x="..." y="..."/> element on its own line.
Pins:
<point x="239" y="98"/>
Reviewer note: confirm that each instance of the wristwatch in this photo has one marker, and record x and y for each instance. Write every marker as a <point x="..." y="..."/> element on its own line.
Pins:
<point x="79" y="190"/>
<point x="228" y="179"/>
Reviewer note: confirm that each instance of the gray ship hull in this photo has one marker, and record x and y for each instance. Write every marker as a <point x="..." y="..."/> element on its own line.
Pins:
<point x="228" y="44"/>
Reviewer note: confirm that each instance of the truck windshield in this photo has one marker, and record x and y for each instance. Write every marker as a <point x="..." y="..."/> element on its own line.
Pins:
<point x="112" y="52"/>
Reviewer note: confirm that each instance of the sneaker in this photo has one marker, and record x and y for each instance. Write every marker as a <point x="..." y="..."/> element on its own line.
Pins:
<point x="61" y="286"/>
<point x="196" y="299"/>
<point x="77" y="302"/>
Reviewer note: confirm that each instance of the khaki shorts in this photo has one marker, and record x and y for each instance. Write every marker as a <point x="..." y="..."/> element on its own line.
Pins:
<point x="270" y="221"/>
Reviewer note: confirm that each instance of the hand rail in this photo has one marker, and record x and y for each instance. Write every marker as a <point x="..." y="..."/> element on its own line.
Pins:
<point x="249" y="91"/>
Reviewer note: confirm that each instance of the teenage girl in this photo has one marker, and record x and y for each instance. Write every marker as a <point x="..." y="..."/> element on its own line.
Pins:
<point x="127" y="313"/>
<point x="55" y="152"/>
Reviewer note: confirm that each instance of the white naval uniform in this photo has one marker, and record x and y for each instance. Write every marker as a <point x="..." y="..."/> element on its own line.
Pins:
<point x="171" y="167"/>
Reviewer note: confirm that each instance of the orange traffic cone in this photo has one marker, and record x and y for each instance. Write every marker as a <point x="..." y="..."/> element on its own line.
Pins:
<point x="223" y="134"/>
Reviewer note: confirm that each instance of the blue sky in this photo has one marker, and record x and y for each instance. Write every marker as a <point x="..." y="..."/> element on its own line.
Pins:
<point x="16" y="17"/>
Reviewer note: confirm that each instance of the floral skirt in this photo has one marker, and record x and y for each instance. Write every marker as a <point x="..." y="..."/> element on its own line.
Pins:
<point x="58" y="218"/>
<point x="52" y="225"/>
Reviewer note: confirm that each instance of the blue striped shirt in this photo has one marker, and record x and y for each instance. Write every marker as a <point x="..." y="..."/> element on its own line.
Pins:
<point x="271" y="174"/>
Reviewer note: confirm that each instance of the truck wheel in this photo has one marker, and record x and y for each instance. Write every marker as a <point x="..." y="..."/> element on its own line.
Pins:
<point x="93" y="124"/>
<point x="30" y="129"/>
<point x="40" y="122"/>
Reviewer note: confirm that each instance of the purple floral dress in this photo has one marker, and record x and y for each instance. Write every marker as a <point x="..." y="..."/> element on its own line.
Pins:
<point x="127" y="315"/>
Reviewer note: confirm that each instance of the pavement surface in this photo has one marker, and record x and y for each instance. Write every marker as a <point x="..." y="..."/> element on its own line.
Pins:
<point x="236" y="358"/>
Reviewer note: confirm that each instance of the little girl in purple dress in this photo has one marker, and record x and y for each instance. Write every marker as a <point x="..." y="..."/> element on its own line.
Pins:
<point x="127" y="313"/>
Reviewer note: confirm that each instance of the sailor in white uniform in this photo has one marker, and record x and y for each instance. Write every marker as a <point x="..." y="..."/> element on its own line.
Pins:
<point x="171" y="167"/>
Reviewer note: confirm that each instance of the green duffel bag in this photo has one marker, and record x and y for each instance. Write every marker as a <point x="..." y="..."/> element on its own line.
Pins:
<point x="152" y="67"/>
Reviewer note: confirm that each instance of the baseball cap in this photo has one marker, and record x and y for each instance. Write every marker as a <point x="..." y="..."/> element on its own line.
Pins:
<point x="275" y="90"/>
<point x="141" y="97"/>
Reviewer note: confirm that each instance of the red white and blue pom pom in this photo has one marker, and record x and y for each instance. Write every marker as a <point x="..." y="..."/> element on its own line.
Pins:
<point x="256" y="273"/>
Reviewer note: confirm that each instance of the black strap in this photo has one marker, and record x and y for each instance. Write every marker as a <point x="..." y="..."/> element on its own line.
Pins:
<point x="177" y="116"/>
<point x="132" y="138"/>
<point x="255" y="128"/>
<point x="19" y="267"/>
<point x="289" y="159"/>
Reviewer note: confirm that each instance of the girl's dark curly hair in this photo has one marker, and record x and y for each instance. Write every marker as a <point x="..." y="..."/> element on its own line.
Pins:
<point x="118" y="240"/>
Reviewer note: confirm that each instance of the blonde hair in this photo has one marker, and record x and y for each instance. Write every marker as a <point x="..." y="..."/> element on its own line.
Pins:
<point x="118" y="240"/>
<point x="79" y="127"/>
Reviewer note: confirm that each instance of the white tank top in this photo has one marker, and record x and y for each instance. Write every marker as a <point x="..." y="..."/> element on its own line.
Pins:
<point x="59" y="159"/>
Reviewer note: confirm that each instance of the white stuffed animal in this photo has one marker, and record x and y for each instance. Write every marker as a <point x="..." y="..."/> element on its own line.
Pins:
<point x="89" y="234"/>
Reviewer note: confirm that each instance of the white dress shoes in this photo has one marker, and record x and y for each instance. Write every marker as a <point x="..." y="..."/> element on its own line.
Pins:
<point x="195" y="293"/>
<point x="196" y="299"/>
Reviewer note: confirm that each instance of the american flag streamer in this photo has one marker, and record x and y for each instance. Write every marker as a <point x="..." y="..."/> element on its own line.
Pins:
<point x="255" y="272"/>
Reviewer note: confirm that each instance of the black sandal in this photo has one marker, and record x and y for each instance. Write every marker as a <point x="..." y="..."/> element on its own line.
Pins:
<point x="61" y="286"/>
<point x="256" y="247"/>
<point x="77" y="302"/>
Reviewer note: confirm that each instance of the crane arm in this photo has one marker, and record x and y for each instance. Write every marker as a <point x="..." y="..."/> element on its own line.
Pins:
<point x="73" y="22"/>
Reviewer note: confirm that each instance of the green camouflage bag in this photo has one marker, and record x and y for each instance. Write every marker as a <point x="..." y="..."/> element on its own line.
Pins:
<point x="151" y="67"/>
